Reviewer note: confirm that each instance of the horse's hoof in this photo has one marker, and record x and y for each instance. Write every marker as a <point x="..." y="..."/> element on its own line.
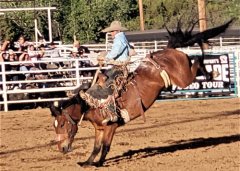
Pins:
<point x="98" y="164"/>
<point x="85" y="164"/>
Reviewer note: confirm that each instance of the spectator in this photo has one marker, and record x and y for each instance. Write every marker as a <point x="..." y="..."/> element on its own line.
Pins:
<point x="42" y="41"/>
<point x="54" y="50"/>
<point x="81" y="49"/>
<point x="33" y="54"/>
<point x="22" y="44"/>
<point x="12" y="57"/>
<point x="41" y="47"/>
<point x="75" y="52"/>
<point x="25" y="66"/>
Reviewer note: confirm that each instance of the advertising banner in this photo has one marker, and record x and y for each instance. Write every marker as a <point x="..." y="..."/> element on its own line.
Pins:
<point x="218" y="65"/>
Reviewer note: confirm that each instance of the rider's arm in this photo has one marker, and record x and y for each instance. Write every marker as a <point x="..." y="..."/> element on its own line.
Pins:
<point x="117" y="48"/>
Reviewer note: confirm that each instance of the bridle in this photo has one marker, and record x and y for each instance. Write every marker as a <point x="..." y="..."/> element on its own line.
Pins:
<point x="64" y="136"/>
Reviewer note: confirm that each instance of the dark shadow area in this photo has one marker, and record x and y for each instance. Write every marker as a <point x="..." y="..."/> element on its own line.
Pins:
<point x="183" y="145"/>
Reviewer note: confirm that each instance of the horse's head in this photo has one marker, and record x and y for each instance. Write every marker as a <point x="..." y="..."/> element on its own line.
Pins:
<point x="66" y="122"/>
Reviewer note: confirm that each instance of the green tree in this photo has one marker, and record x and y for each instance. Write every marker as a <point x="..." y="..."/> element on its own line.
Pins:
<point x="86" y="18"/>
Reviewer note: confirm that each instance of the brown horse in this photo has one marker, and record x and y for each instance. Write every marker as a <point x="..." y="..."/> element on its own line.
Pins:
<point x="140" y="93"/>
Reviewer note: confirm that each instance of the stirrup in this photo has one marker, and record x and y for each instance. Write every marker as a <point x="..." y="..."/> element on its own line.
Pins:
<point x="110" y="118"/>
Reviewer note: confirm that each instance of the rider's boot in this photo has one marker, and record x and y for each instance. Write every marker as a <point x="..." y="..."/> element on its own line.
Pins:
<point x="111" y="115"/>
<point x="110" y="118"/>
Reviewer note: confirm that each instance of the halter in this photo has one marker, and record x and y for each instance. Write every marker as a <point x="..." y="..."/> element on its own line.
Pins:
<point x="69" y="118"/>
<point x="61" y="137"/>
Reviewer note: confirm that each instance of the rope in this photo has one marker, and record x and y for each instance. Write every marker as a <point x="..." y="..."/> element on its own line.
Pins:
<point x="81" y="119"/>
<point x="96" y="74"/>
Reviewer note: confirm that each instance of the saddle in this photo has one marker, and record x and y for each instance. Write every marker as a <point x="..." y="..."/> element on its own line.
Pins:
<point x="107" y="88"/>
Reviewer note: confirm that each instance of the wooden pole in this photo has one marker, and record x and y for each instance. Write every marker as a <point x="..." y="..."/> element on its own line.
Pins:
<point x="202" y="18"/>
<point x="202" y="15"/>
<point x="140" y="5"/>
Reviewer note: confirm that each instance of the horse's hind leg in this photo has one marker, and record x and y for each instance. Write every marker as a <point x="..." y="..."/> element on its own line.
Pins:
<point x="107" y="140"/>
<point x="188" y="76"/>
<point x="96" y="149"/>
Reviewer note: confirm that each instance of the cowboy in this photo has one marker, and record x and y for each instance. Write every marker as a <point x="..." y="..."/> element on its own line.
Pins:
<point x="119" y="53"/>
<point x="120" y="48"/>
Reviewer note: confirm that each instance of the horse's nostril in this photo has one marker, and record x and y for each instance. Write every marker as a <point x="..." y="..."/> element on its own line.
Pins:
<point x="65" y="150"/>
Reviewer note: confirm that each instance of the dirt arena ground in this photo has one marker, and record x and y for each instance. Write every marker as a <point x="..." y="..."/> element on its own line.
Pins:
<point x="197" y="135"/>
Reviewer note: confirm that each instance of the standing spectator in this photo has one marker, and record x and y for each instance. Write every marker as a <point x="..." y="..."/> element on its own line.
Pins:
<point x="42" y="41"/>
<point x="75" y="53"/>
<point x="25" y="66"/>
<point x="54" y="50"/>
<point x="22" y="44"/>
<point x="33" y="54"/>
<point x="81" y="49"/>
<point x="54" y="53"/>
<point x="12" y="57"/>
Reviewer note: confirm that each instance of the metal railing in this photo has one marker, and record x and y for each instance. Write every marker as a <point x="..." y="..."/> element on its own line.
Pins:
<point x="74" y="79"/>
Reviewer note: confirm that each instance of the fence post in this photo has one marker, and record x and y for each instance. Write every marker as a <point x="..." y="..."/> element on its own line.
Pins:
<point x="77" y="73"/>
<point x="155" y="45"/>
<point x="221" y="42"/>
<point x="237" y="60"/>
<point x="4" y="85"/>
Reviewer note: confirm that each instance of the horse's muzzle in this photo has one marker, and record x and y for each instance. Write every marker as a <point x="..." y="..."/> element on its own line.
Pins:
<point x="63" y="142"/>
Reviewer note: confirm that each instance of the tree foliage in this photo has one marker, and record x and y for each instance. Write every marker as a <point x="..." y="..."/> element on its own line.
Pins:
<point x="84" y="19"/>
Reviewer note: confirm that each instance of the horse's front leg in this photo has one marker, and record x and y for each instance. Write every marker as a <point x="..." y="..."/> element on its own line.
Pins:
<point x="96" y="149"/>
<point x="107" y="140"/>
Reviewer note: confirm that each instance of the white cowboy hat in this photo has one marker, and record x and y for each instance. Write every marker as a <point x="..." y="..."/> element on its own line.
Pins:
<point x="115" y="25"/>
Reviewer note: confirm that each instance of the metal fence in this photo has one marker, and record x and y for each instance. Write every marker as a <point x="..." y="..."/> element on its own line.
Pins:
<point x="70" y="78"/>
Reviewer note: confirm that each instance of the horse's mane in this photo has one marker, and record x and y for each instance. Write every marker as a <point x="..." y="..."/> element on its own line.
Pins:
<point x="63" y="104"/>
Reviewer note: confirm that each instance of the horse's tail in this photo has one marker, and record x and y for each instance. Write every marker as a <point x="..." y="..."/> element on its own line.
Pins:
<point x="184" y="39"/>
<point x="202" y="37"/>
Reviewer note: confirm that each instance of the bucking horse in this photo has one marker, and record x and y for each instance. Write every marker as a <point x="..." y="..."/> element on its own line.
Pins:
<point x="156" y="72"/>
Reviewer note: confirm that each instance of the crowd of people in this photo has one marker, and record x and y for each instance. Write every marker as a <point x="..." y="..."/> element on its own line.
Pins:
<point x="26" y="51"/>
